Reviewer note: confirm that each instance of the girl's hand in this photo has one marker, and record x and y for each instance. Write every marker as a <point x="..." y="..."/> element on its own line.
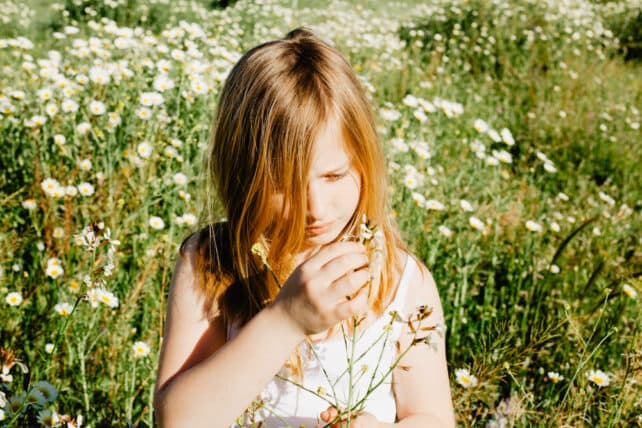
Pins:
<point x="327" y="288"/>
<point x="362" y="420"/>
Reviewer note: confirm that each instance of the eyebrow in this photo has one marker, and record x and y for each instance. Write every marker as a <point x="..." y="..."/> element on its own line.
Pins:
<point x="343" y="166"/>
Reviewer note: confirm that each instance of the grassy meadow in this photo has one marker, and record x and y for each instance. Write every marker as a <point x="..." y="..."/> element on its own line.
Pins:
<point x="512" y="133"/>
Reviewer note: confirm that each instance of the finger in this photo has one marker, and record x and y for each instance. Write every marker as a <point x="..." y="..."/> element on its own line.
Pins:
<point x="325" y="416"/>
<point x="358" y="304"/>
<point x="331" y="251"/>
<point x="349" y="285"/>
<point x="333" y="412"/>
<point x="343" y="265"/>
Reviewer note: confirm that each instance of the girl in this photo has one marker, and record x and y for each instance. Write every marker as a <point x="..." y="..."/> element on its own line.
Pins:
<point x="295" y="159"/>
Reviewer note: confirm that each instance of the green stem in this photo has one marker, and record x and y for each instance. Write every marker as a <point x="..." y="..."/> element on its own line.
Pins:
<point x="350" y="369"/>
<point x="325" y="373"/>
<point x="285" y="379"/>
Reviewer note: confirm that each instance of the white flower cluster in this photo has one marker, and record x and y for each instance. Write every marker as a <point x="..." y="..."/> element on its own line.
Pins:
<point x="91" y="238"/>
<point x="373" y="238"/>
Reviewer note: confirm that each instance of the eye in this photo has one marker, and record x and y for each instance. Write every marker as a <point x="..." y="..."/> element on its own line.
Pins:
<point x="335" y="177"/>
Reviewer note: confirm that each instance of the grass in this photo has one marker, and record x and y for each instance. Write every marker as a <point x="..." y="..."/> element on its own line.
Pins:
<point x="520" y="302"/>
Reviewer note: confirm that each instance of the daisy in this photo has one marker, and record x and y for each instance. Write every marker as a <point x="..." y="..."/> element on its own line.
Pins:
<point x="54" y="270"/>
<point x="143" y="113"/>
<point x="164" y="66"/>
<point x="465" y="205"/>
<point x="410" y="101"/>
<point x="63" y="309"/>
<point x="58" y="232"/>
<point x="44" y="94"/>
<point x="35" y="398"/>
<point x="85" y="164"/>
<point x="163" y="83"/>
<point x="170" y="152"/>
<point x="492" y="161"/>
<point x="598" y="377"/>
<point x="49" y="185"/>
<point x="114" y="119"/>
<point x="14" y="298"/>
<point x="534" y="226"/>
<point x="189" y="219"/>
<point x="606" y="198"/>
<point x="86" y="189"/>
<point x="149" y="99"/>
<point x="549" y="167"/>
<point x="420" y="115"/>
<point x="629" y="291"/>
<point x="465" y="379"/>
<point x="83" y="128"/>
<point x="99" y="75"/>
<point x="198" y="87"/>
<point x="107" y="298"/>
<point x="507" y="137"/>
<point x="445" y="231"/>
<point x="60" y="139"/>
<point x="477" y="224"/>
<point x="555" y="377"/>
<point x="156" y="222"/>
<point x="554" y="269"/>
<point x="97" y="108"/>
<point x="399" y="144"/>
<point x="38" y="120"/>
<point x="141" y="349"/>
<point x="389" y="114"/>
<point x="48" y="390"/>
<point x="180" y="178"/>
<point x="48" y="418"/>
<point x="419" y="199"/>
<point x="69" y="106"/>
<point x="480" y="125"/>
<point x="51" y="109"/>
<point x="29" y="204"/>
<point x="49" y="347"/>
<point x="433" y="204"/>
<point x="410" y="181"/>
<point x="494" y="135"/>
<point x="503" y="156"/>
<point x="71" y="190"/>
<point x="144" y="150"/>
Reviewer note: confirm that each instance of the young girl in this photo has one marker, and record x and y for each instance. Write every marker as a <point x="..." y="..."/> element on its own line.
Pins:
<point x="261" y="301"/>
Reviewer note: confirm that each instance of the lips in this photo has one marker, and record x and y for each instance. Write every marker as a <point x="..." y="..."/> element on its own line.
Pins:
<point x="317" y="229"/>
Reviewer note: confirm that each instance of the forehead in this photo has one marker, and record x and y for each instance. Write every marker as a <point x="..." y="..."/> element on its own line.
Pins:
<point x="330" y="150"/>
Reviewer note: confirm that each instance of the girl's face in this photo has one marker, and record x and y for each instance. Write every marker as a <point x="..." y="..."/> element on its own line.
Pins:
<point x="334" y="186"/>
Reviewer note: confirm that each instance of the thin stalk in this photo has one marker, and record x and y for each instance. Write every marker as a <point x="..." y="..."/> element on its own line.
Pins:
<point x="325" y="373"/>
<point x="350" y="369"/>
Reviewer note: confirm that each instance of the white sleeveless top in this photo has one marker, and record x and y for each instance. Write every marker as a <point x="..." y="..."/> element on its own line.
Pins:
<point x="288" y="405"/>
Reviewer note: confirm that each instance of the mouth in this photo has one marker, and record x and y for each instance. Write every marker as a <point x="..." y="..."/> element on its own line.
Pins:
<point x="316" y="230"/>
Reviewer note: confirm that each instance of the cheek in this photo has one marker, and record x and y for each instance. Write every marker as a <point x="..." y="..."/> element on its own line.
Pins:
<point x="352" y="191"/>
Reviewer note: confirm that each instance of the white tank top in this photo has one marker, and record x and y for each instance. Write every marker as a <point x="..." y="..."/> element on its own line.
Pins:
<point x="287" y="405"/>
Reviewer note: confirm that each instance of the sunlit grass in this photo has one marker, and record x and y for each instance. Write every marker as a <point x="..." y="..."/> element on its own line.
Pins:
<point x="512" y="135"/>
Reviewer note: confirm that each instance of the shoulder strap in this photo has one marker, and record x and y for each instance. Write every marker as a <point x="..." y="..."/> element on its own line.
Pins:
<point x="402" y="289"/>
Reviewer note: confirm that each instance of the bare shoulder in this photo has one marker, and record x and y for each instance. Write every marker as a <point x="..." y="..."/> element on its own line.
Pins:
<point x="190" y="334"/>
<point x="422" y="289"/>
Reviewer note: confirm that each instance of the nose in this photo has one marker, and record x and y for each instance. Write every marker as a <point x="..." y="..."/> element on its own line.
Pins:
<point x="317" y="205"/>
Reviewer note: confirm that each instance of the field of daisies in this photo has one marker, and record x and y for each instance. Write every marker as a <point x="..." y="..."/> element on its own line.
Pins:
<point x="512" y="133"/>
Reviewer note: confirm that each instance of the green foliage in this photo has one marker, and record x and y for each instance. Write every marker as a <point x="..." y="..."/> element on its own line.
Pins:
<point x="532" y="236"/>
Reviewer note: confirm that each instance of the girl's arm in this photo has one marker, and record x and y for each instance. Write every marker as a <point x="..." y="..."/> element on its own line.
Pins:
<point x="203" y="381"/>
<point x="422" y="393"/>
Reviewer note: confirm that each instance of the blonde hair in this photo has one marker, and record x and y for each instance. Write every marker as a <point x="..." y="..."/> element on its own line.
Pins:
<point x="274" y="103"/>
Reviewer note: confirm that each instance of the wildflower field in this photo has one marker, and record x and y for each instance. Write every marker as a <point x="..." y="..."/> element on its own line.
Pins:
<point x="512" y="133"/>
